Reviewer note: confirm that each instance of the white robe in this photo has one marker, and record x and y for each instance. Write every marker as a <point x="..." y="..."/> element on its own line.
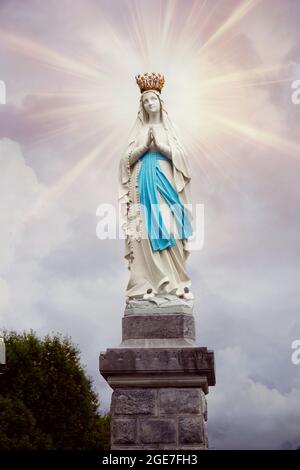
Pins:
<point x="162" y="271"/>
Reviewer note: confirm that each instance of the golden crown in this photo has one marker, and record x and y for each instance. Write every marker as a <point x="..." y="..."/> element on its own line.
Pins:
<point x="150" y="81"/>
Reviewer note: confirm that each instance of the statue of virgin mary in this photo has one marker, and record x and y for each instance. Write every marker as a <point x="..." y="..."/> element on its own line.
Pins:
<point x="154" y="199"/>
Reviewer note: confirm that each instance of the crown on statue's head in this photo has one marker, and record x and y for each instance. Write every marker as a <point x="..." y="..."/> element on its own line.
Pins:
<point x="150" y="81"/>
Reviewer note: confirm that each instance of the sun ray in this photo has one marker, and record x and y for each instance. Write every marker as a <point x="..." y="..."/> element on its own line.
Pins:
<point x="208" y="94"/>
<point x="245" y="7"/>
<point x="191" y="27"/>
<point x="263" y="83"/>
<point x="68" y="110"/>
<point x="49" y="57"/>
<point x="285" y="146"/>
<point x="242" y="75"/>
<point x="52" y="194"/>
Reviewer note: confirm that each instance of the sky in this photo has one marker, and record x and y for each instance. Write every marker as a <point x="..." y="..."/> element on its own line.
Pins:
<point x="71" y="100"/>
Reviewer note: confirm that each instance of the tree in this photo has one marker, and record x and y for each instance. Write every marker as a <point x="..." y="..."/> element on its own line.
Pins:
<point x="46" y="390"/>
<point x="18" y="428"/>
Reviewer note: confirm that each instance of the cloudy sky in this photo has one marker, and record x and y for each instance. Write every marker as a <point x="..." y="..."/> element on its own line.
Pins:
<point x="71" y="100"/>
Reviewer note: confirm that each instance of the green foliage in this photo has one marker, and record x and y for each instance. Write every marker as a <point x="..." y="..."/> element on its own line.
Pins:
<point x="18" y="428"/>
<point x="46" y="390"/>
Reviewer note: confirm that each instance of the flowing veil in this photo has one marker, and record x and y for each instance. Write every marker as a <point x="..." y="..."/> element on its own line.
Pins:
<point x="181" y="171"/>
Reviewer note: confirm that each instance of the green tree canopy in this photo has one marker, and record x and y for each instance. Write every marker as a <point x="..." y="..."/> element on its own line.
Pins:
<point x="46" y="399"/>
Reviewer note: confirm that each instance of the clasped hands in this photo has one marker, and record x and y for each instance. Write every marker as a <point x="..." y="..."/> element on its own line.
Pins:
<point x="153" y="141"/>
<point x="150" y="142"/>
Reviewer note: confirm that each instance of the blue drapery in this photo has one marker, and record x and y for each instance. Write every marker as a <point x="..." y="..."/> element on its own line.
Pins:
<point x="150" y="180"/>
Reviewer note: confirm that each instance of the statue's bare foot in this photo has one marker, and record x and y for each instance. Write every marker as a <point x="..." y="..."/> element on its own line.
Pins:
<point x="149" y="295"/>
<point x="187" y="294"/>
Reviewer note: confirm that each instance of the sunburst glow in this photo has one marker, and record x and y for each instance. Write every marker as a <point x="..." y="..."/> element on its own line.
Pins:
<point x="209" y="90"/>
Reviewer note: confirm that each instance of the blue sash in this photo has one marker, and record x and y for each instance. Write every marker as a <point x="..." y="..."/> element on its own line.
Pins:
<point x="151" y="179"/>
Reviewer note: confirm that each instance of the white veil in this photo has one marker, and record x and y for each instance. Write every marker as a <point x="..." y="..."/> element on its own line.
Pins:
<point x="181" y="171"/>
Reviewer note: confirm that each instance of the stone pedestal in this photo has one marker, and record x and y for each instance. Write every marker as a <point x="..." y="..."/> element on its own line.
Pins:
<point x="159" y="379"/>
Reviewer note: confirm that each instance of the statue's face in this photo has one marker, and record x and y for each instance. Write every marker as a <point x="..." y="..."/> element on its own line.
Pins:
<point x="151" y="102"/>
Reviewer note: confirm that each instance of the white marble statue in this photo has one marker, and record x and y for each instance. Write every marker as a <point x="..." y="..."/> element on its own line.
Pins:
<point x="154" y="180"/>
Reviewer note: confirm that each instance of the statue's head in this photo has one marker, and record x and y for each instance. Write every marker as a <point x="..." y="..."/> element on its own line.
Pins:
<point x="150" y="85"/>
<point x="151" y="103"/>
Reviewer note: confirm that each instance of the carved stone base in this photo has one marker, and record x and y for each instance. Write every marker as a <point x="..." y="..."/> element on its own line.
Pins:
<point x="158" y="418"/>
<point x="160" y="378"/>
<point x="159" y="304"/>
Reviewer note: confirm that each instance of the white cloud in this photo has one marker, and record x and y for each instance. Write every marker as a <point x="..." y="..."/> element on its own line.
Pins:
<point x="56" y="278"/>
<point x="248" y="414"/>
<point x="24" y="241"/>
<point x="4" y="295"/>
<point x="19" y="189"/>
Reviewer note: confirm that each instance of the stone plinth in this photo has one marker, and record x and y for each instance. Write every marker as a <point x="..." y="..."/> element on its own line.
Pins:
<point x="159" y="378"/>
<point x="158" y="418"/>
